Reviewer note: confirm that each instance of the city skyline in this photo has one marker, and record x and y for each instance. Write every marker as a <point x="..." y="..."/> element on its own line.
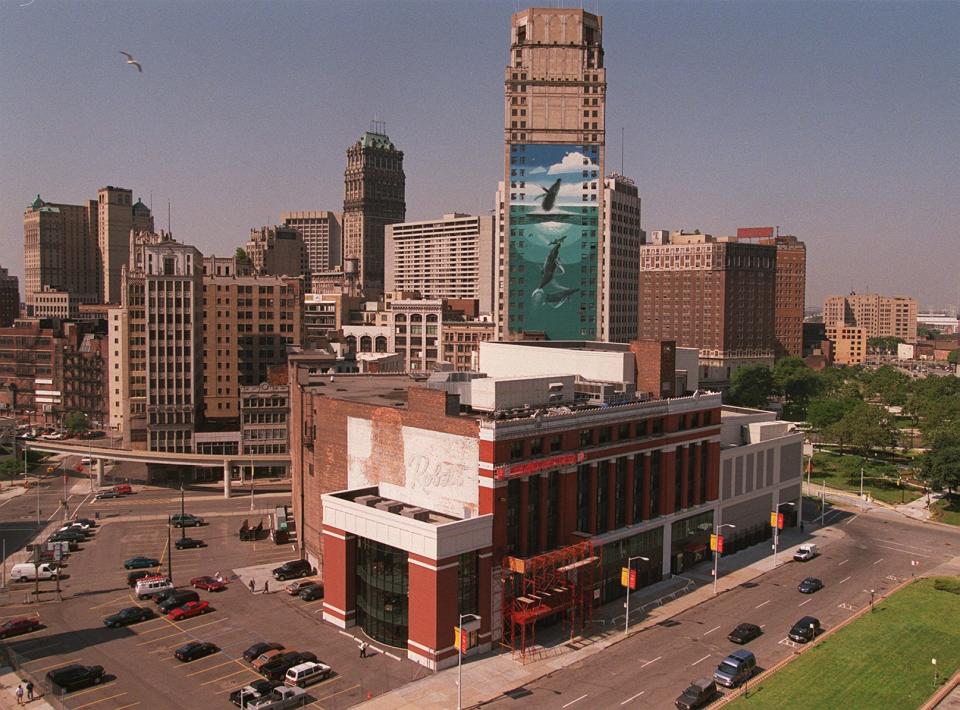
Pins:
<point x="235" y="125"/>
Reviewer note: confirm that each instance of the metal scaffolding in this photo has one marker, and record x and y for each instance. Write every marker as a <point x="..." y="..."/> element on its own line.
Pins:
<point x="555" y="584"/>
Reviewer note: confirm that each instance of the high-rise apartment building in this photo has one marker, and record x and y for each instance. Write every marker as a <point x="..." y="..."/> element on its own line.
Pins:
<point x="450" y="257"/>
<point x="156" y="346"/>
<point x="550" y="250"/>
<point x="249" y="322"/>
<point x="114" y="222"/>
<point x="717" y="295"/>
<point x="9" y="298"/>
<point x="374" y="196"/>
<point x="791" y="286"/>
<point x="322" y="237"/>
<point x="622" y="238"/>
<point x="277" y="251"/>
<point x="60" y="251"/>
<point x="880" y="316"/>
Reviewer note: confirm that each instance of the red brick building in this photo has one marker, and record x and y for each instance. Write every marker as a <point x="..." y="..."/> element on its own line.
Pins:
<point x="498" y="487"/>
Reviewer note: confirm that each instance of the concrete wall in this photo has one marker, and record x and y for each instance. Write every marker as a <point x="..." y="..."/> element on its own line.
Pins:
<point x="516" y="360"/>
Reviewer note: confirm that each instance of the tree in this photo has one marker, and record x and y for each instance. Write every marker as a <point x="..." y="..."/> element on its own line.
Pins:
<point x="869" y="428"/>
<point x="886" y="344"/>
<point x="889" y="384"/>
<point x="953" y="357"/>
<point x="241" y="256"/>
<point x="797" y="383"/>
<point x="751" y="386"/>
<point x="824" y="412"/>
<point x="940" y="468"/>
<point x="76" y="422"/>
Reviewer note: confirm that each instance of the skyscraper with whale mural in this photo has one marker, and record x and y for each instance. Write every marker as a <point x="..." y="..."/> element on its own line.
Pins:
<point x="549" y="251"/>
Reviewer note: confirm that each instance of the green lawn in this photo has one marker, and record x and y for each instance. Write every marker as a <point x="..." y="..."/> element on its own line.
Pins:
<point x="882" y="660"/>
<point x="843" y="472"/>
<point x="947" y="510"/>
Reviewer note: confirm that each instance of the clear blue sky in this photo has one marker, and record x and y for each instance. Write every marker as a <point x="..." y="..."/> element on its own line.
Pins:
<point x="838" y="121"/>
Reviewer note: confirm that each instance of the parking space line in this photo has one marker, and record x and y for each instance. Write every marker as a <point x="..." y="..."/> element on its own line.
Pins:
<point x="843" y="580"/>
<point x="339" y="692"/>
<point x="842" y="563"/>
<point x="760" y="605"/>
<point x="878" y="561"/>
<point x="93" y="689"/>
<point x="124" y="707"/>
<point x="702" y="659"/>
<point x="575" y="701"/>
<point x="649" y="662"/>
<point x="160" y="638"/>
<point x="705" y="633"/>
<point x="163" y="627"/>
<point x="209" y="623"/>
<point x="219" y="665"/>
<point x="101" y="700"/>
<point x="805" y="602"/>
<point x="112" y="601"/>
<point x="230" y="675"/>
<point x="52" y="665"/>
<point x="633" y="697"/>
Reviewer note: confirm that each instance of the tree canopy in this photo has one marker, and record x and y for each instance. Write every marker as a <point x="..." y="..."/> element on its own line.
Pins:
<point x="76" y="422"/>
<point x="750" y="386"/>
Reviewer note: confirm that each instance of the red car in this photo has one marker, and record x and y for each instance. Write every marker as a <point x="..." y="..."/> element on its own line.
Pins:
<point x="24" y="625"/>
<point x="188" y="610"/>
<point x="123" y="488"/>
<point x="211" y="584"/>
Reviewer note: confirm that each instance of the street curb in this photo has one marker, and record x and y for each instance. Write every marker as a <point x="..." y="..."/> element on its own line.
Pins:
<point x="941" y="694"/>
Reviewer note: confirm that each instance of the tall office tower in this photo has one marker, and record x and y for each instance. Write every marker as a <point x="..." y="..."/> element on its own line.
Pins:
<point x="791" y="286"/>
<point x="321" y="236"/>
<point x="717" y="295"/>
<point x="278" y="251"/>
<point x="142" y="217"/>
<point x="158" y="326"/>
<point x="115" y="220"/>
<point x="249" y="322"/>
<point x="622" y="237"/>
<point x="9" y="298"/>
<point x="374" y="196"/>
<point x="550" y="253"/>
<point x="451" y="257"/>
<point x="881" y="316"/>
<point x="60" y="251"/>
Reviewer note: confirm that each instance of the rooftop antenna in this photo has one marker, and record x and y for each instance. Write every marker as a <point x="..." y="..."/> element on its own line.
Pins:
<point x="621" y="151"/>
<point x="151" y="201"/>
<point x="168" y="216"/>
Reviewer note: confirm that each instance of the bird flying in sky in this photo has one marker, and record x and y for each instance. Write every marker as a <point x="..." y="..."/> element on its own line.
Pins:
<point x="131" y="60"/>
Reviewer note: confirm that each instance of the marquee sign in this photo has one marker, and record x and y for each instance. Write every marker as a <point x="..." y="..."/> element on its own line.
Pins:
<point x="528" y="467"/>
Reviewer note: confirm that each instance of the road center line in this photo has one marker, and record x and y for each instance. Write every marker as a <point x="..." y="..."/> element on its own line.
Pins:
<point x="575" y="701"/>
<point x="708" y="632"/>
<point x="634" y="697"/>
<point x="760" y="605"/>
<point x="878" y="561"/>
<point x="649" y="662"/>
<point x="702" y="659"/>
<point x="842" y="563"/>
<point x="843" y="580"/>
<point x="806" y="602"/>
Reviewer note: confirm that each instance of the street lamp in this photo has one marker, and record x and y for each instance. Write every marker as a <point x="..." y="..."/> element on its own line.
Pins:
<point x="776" y="529"/>
<point x="861" y="487"/>
<point x="872" y="593"/>
<point x="626" y="625"/>
<point x="716" y="554"/>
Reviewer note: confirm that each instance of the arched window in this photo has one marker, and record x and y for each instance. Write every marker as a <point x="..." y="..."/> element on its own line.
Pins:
<point x="400" y="318"/>
<point x="352" y="343"/>
<point x="380" y="344"/>
<point x="431" y="318"/>
<point x="366" y="344"/>
<point x="416" y="318"/>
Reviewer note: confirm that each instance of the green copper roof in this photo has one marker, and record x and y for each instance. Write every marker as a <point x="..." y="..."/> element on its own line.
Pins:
<point x="37" y="203"/>
<point x="138" y="205"/>
<point x="375" y="140"/>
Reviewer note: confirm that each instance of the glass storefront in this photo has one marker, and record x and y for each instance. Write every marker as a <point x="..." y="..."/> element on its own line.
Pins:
<point x="382" y="592"/>
<point x="614" y="557"/>
<point x="690" y="541"/>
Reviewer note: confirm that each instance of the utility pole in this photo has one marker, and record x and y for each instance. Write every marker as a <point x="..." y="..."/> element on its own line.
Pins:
<point x="169" y="553"/>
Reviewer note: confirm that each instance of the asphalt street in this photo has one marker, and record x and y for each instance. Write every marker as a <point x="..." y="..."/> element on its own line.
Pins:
<point x="650" y="669"/>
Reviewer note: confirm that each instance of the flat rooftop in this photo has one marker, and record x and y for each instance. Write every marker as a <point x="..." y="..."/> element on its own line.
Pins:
<point x="371" y="498"/>
<point x="377" y="390"/>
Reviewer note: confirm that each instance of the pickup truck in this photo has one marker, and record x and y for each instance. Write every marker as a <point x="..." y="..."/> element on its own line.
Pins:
<point x="280" y="699"/>
<point x="805" y="553"/>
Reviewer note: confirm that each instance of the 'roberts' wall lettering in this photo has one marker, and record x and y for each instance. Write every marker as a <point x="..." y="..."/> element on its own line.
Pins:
<point x="423" y="473"/>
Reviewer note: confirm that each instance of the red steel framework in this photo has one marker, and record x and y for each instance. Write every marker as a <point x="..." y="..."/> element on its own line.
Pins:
<point x="560" y="582"/>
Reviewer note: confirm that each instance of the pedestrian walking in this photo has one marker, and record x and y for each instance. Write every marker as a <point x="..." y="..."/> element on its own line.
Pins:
<point x="29" y="690"/>
<point x="363" y="649"/>
<point x="252" y="589"/>
<point x="266" y="586"/>
<point x="19" y="695"/>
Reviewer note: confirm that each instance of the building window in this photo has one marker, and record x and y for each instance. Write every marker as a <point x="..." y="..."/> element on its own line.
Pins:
<point x="382" y="584"/>
<point x="556" y="442"/>
<point x="583" y="498"/>
<point x="516" y="449"/>
<point x="468" y="572"/>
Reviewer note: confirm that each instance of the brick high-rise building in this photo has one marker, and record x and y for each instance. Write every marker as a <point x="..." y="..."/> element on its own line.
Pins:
<point x="550" y="246"/>
<point x="60" y="251"/>
<point x="622" y="237"/>
<point x="249" y="322"/>
<point x="114" y="220"/>
<point x="715" y="295"/>
<point x="374" y="196"/>
<point x="277" y="251"/>
<point x="156" y="346"/>
<point x="322" y="238"/>
<point x="791" y="286"/>
<point x="450" y="257"/>
<point x="9" y="298"/>
<point x="880" y="316"/>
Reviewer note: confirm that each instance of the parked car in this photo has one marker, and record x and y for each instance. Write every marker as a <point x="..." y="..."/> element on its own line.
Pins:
<point x="293" y="568"/>
<point x="186" y="543"/>
<point x="75" y="676"/>
<point x="312" y="592"/>
<point x="698" y="694"/>
<point x="23" y="625"/>
<point x="177" y="599"/>
<point x="74" y="528"/>
<point x="306" y="674"/>
<point x="92" y="434"/>
<point x="151" y="586"/>
<point x="189" y="610"/>
<point x="805" y="553"/>
<point x="744" y="633"/>
<point x="28" y="571"/>
<point x="810" y="585"/>
<point x="135" y="577"/>
<point x="210" y="584"/>
<point x="67" y="536"/>
<point x="141" y="562"/>
<point x="123" y="489"/>
<point x="185" y="521"/>
<point x="255" y="691"/>
<point x="736" y="668"/>
<point x="294" y="588"/>
<point x="86" y="522"/>
<point x="266" y="656"/>
<point x="194" y="650"/>
<point x="130" y="615"/>
<point x="254" y="651"/>
<point x="277" y="667"/>
<point x="805" y="630"/>
<point x="104" y="495"/>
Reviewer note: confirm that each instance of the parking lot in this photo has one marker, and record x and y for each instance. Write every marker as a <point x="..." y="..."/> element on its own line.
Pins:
<point x="138" y="659"/>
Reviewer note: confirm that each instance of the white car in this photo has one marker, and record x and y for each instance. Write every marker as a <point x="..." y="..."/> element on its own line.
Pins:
<point x="86" y="460"/>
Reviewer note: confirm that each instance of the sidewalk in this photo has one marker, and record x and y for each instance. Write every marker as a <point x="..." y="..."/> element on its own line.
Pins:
<point x="9" y="679"/>
<point x="917" y="509"/>
<point x="493" y="675"/>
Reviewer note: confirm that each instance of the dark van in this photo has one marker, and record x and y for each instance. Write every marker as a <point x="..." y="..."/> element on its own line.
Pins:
<point x="697" y="694"/>
<point x="735" y="668"/>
